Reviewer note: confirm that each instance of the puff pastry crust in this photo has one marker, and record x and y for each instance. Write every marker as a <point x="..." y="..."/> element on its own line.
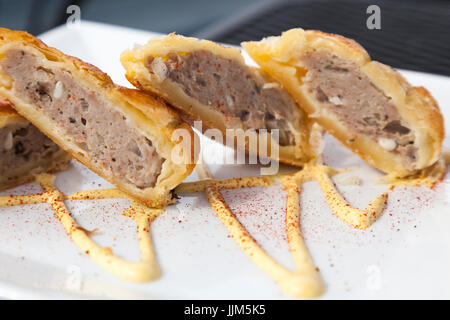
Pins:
<point x="24" y="150"/>
<point x="114" y="112"/>
<point x="296" y="59"/>
<point x="219" y="93"/>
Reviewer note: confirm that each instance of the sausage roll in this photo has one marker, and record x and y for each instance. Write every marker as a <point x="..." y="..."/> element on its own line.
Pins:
<point x="24" y="150"/>
<point x="126" y="136"/>
<point x="212" y="83"/>
<point x="367" y="105"/>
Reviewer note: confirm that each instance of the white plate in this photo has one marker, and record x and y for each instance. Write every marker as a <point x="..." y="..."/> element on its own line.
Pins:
<point x="405" y="254"/>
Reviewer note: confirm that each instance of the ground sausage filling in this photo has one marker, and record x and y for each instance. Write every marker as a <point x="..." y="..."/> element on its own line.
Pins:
<point x="85" y="115"/>
<point x="235" y="90"/>
<point x="22" y="144"/>
<point x="344" y="90"/>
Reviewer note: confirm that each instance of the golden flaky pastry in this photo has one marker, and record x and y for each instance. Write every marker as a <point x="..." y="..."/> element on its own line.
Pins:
<point x="24" y="150"/>
<point x="212" y="83"/>
<point x="367" y="105"/>
<point x="126" y="136"/>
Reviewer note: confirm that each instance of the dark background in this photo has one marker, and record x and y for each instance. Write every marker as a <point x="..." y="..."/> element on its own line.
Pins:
<point x="415" y="34"/>
<point x="182" y="16"/>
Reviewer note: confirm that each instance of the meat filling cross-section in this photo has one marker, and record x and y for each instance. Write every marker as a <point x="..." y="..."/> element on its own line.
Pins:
<point x="345" y="91"/>
<point x="227" y="86"/>
<point x="22" y="144"/>
<point x="85" y="115"/>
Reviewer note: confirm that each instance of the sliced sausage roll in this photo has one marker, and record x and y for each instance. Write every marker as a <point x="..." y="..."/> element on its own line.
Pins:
<point x="212" y="83"/>
<point x="367" y="105"/>
<point x="24" y="150"/>
<point x="126" y="136"/>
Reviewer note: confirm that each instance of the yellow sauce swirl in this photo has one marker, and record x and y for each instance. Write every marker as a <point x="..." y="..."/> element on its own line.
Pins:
<point x="145" y="270"/>
<point x="304" y="282"/>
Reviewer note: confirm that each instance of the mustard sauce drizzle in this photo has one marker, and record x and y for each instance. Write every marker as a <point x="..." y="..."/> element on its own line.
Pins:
<point x="143" y="271"/>
<point x="360" y="219"/>
<point x="304" y="282"/>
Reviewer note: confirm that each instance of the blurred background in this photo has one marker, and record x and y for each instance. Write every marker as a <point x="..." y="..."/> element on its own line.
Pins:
<point x="182" y="16"/>
<point x="413" y="34"/>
